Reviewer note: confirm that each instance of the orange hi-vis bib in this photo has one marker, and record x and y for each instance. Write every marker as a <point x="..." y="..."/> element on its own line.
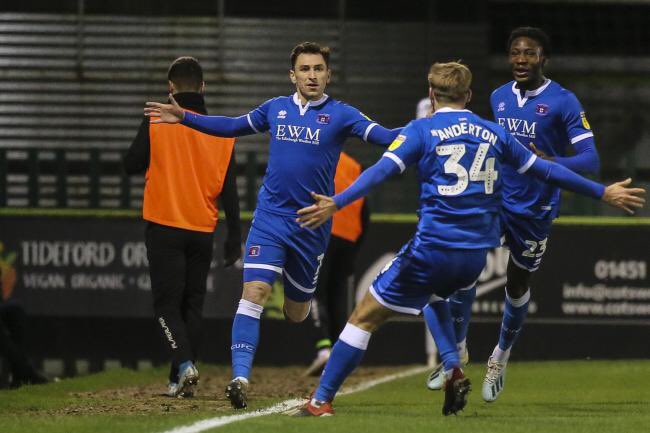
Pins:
<point x="187" y="169"/>
<point x="347" y="221"/>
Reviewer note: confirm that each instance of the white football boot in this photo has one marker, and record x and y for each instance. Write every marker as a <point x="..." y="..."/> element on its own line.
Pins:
<point x="495" y="379"/>
<point x="436" y="379"/>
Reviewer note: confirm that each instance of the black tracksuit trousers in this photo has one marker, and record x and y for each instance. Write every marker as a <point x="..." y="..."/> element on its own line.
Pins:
<point x="179" y="261"/>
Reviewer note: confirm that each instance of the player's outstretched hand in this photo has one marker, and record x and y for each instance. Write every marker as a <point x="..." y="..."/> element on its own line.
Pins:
<point x="166" y="113"/>
<point x="619" y="195"/>
<point x="538" y="152"/>
<point x="317" y="214"/>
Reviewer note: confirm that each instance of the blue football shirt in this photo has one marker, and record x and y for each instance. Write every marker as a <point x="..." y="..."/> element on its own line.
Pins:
<point x="460" y="158"/>
<point x="304" y="148"/>
<point x="552" y="118"/>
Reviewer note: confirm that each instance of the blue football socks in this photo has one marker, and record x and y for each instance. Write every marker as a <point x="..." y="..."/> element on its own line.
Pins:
<point x="438" y="319"/>
<point x="513" y="320"/>
<point x="346" y="355"/>
<point x="460" y="305"/>
<point x="245" y="338"/>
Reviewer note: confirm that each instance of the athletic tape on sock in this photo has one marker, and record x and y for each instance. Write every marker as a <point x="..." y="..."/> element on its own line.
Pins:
<point x="461" y="346"/>
<point x="520" y="301"/>
<point x="500" y="355"/>
<point x="250" y="309"/>
<point x="355" y="336"/>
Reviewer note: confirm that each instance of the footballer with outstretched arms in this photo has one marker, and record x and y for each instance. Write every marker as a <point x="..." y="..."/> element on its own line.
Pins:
<point x="460" y="159"/>
<point x="307" y="131"/>
<point x="548" y="118"/>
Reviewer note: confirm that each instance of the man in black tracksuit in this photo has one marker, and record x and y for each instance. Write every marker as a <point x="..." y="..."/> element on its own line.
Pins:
<point x="185" y="172"/>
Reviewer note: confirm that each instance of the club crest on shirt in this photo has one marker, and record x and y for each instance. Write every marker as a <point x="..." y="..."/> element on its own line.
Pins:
<point x="254" y="251"/>
<point x="397" y="142"/>
<point x="323" y="119"/>
<point x="583" y="117"/>
<point x="502" y="106"/>
<point x="542" y="109"/>
<point x="282" y="114"/>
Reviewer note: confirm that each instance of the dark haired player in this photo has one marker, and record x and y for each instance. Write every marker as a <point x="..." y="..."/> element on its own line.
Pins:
<point x="307" y="132"/>
<point x="550" y="120"/>
<point x="459" y="158"/>
<point x="184" y="176"/>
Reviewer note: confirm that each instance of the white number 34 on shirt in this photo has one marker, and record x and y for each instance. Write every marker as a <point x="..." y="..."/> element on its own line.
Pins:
<point x="452" y="166"/>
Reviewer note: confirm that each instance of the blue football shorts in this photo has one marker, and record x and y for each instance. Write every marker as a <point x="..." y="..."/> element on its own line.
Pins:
<point x="526" y="239"/>
<point x="277" y="246"/>
<point x="418" y="275"/>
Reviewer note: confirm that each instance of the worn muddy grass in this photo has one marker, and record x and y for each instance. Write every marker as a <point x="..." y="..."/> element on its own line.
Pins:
<point x="125" y="400"/>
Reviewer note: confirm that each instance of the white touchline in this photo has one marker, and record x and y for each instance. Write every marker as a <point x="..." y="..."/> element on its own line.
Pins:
<point x="219" y="421"/>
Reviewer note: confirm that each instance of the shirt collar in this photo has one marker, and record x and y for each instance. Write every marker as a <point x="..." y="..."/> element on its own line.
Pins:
<point x="451" y="110"/>
<point x="528" y="93"/>
<point x="303" y="109"/>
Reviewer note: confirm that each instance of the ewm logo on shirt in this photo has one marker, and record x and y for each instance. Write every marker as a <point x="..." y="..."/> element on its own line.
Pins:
<point x="518" y="127"/>
<point x="298" y="134"/>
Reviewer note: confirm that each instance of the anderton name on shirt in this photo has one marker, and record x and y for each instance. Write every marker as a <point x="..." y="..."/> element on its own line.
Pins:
<point x="465" y="128"/>
<point x="299" y="134"/>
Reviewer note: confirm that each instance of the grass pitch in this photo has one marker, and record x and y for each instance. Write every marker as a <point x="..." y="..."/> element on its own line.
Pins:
<point x="572" y="397"/>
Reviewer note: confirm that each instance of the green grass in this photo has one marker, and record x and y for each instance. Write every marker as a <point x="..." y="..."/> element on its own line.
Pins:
<point x="572" y="397"/>
<point x="247" y="216"/>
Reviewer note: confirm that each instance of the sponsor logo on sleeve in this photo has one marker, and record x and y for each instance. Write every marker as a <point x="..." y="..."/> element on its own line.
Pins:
<point x="585" y="123"/>
<point x="254" y="251"/>
<point x="397" y="142"/>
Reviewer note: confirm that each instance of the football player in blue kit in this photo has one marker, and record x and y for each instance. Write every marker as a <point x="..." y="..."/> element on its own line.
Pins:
<point x="543" y="115"/>
<point x="460" y="161"/>
<point x="307" y="131"/>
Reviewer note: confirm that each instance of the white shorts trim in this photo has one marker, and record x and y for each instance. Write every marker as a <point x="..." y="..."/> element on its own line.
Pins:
<point x="397" y="308"/>
<point x="260" y="266"/>
<point x="298" y="286"/>
<point x="468" y="287"/>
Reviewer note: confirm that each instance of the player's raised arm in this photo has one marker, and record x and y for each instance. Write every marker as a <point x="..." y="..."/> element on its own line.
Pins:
<point x="617" y="194"/>
<point x="317" y="214"/>
<point x="368" y="130"/>
<point x="406" y="149"/>
<point x="383" y="136"/>
<point x="221" y="126"/>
